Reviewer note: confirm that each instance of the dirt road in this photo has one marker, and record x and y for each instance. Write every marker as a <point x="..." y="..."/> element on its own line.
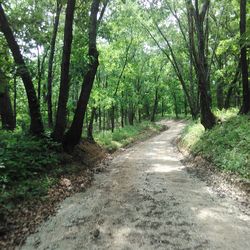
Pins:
<point x="146" y="200"/>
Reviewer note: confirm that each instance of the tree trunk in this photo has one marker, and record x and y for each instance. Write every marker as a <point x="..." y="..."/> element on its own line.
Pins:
<point x="100" y="118"/>
<point x="219" y="95"/>
<point x="200" y="59"/>
<point x="73" y="136"/>
<point x="6" y="112"/>
<point x="155" y="105"/>
<point x="90" y="127"/>
<point x="243" y="57"/>
<point x="15" y="98"/>
<point x="50" y="64"/>
<point x="36" y="125"/>
<point x="61" y="116"/>
<point x="231" y="87"/>
<point x="112" y="118"/>
<point x="122" y="116"/>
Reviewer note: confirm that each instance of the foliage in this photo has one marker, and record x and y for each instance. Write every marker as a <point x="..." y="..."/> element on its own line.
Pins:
<point x="227" y="145"/>
<point x="25" y="164"/>
<point x="123" y="136"/>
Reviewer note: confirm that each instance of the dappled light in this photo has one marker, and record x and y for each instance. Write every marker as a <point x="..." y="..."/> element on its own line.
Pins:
<point x="128" y="121"/>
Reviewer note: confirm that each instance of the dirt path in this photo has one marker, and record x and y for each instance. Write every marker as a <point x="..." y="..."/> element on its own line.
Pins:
<point x="146" y="200"/>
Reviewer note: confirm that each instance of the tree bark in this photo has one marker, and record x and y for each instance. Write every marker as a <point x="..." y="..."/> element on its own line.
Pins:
<point x="155" y="105"/>
<point x="6" y="112"/>
<point x="73" y="135"/>
<point x="50" y="64"/>
<point x="243" y="57"/>
<point x="61" y="116"/>
<point x="207" y="117"/>
<point x="90" y="127"/>
<point x="36" y="125"/>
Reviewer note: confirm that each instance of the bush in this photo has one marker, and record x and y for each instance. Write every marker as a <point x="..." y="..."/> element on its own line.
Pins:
<point x="25" y="162"/>
<point x="227" y="145"/>
<point x="123" y="136"/>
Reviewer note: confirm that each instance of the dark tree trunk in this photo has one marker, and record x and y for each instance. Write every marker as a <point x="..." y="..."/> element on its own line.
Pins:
<point x="200" y="58"/>
<point x="112" y="117"/>
<point x="73" y="135"/>
<point x="231" y="87"/>
<point x="131" y="115"/>
<point x="243" y="57"/>
<point x="155" y="105"/>
<point x="122" y="116"/>
<point x="36" y="125"/>
<point x="6" y="112"/>
<point x="220" y="95"/>
<point x="40" y="71"/>
<point x="162" y="108"/>
<point x="61" y="116"/>
<point x="100" y="118"/>
<point x="15" y="98"/>
<point x="139" y="115"/>
<point x="50" y="64"/>
<point x="90" y="127"/>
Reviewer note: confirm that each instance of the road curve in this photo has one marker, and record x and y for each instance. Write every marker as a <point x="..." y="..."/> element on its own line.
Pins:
<point x="146" y="200"/>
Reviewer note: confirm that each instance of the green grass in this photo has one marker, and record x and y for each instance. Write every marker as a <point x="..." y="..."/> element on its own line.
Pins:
<point x="123" y="136"/>
<point x="227" y="145"/>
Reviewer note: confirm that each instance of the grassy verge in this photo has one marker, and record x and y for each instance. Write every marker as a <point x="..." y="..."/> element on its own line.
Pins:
<point x="227" y="145"/>
<point x="124" y="136"/>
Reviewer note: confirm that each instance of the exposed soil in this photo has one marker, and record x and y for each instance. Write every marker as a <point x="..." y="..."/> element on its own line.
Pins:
<point x="146" y="199"/>
<point x="21" y="220"/>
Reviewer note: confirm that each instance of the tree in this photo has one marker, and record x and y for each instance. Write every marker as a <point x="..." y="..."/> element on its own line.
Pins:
<point x="51" y="60"/>
<point x="36" y="125"/>
<point x="198" y="17"/>
<point x="73" y="135"/>
<point x="61" y="120"/>
<point x="6" y="111"/>
<point x="243" y="58"/>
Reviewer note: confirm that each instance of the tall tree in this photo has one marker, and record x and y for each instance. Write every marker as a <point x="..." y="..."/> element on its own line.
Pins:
<point x="61" y="116"/>
<point x="51" y="60"/>
<point x="198" y="17"/>
<point x="73" y="135"/>
<point x="243" y="58"/>
<point x="36" y="125"/>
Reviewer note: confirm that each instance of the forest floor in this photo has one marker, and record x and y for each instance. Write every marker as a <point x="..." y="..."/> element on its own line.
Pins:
<point x="146" y="199"/>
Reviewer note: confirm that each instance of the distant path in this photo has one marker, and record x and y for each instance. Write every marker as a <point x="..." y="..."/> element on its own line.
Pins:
<point x="146" y="200"/>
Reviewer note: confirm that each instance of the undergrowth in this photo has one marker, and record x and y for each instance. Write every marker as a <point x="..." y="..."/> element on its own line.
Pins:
<point x="25" y="164"/>
<point x="227" y="145"/>
<point x="123" y="136"/>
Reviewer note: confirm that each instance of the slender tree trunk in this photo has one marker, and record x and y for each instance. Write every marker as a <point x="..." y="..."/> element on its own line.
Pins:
<point x="122" y="116"/>
<point x="61" y="116"/>
<point x="231" y="87"/>
<point x="6" y="112"/>
<point x="100" y="118"/>
<point x="243" y="57"/>
<point x="155" y="105"/>
<point x="90" y="127"/>
<point x="73" y="135"/>
<point x="50" y="64"/>
<point x="36" y="125"/>
<point x="219" y="95"/>
<point x="112" y="117"/>
<point x="15" y="98"/>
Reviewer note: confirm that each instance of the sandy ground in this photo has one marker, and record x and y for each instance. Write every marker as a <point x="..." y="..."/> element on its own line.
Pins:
<point x="146" y="200"/>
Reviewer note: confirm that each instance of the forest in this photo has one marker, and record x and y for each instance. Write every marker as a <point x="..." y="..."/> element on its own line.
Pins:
<point x="104" y="72"/>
